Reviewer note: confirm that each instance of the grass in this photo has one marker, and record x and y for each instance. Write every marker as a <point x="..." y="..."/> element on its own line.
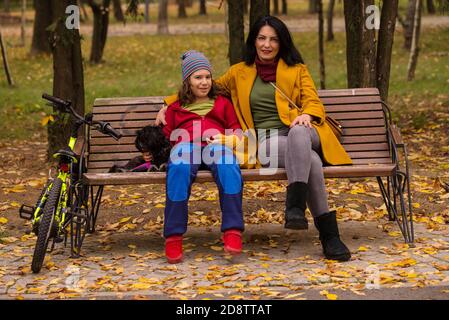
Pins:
<point x="150" y="65"/>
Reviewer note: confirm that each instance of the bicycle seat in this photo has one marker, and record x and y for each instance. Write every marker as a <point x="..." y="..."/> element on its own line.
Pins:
<point x="66" y="153"/>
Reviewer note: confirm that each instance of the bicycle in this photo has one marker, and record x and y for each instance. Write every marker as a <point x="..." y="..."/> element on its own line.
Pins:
<point x="63" y="201"/>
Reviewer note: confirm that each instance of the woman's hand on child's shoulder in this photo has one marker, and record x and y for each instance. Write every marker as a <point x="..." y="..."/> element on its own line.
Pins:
<point x="160" y="118"/>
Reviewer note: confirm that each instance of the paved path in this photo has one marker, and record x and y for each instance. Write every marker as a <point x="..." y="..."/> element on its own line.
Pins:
<point x="275" y="265"/>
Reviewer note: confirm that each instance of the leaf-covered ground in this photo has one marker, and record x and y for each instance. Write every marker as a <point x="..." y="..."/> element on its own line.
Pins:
<point x="125" y="257"/>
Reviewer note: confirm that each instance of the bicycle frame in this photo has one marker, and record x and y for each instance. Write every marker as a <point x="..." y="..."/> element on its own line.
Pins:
<point x="65" y="169"/>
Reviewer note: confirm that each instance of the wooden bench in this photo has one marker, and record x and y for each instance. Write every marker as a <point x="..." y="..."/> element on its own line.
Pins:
<point x="368" y="136"/>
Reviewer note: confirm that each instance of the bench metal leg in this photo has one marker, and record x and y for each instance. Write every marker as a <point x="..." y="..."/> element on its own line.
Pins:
<point x="398" y="204"/>
<point x="95" y="206"/>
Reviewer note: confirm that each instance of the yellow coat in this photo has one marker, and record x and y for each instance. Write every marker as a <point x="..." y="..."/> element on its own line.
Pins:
<point x="296" y="83"/>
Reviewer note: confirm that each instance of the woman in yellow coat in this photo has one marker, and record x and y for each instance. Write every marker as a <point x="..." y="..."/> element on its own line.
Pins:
<point x="297" y="140"/>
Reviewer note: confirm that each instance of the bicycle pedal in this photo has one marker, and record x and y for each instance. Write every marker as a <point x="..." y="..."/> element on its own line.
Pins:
<point x="80" y="213"/>
<point x="26" y="212"/>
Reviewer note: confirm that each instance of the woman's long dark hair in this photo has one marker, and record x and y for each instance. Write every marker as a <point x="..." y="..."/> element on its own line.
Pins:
<point x="287" y="50"/>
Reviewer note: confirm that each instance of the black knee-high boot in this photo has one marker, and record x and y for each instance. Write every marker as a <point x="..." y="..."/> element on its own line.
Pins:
<point x="333" y="247"/>
<point x="295" y="206"/>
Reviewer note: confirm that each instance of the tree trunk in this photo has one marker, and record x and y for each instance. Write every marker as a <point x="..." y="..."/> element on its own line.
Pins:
<point x="330" y="21"/>
<point x="147" y="11"/>
<point x="203" y="10"/>
<point x="258" y="9"/>
<point x="5" y="61"/>
<point x="100" y="31"/>
<point x="42" y="19"/>
<point x="23" y="23"/>
<point x="284" y="7"/>
<point x="408" y="24"/>
<point x="313" y="6"/>
<point x="415" y="42"/>
<point x="182" y="9"/>
<point x="83" y="12"/>
<point x="118" y="12"/>
<point x="276" y="7"/>
<point x="245" y="6"/>
<point x="236" y="31"/>
<point x="385" y="46"/>
<point x="162" y="22"/>
<point x="360" y="45"/>
<point x="430" y="7"/>
<point x="7" y="6"/>
<point x="321" y="44"/>
<point x="68" y="81"/>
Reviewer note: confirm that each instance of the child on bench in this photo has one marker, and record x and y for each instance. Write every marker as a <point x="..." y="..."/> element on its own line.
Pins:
<point x="196" y="125"/>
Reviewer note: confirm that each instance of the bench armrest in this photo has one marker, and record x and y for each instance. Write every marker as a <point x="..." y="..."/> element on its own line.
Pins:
<point x="79" y="145"/>
<point x="396" y="136"/>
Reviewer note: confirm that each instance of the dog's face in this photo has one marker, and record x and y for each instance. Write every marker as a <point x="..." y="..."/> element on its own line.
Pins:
<point x="151" y="139"/>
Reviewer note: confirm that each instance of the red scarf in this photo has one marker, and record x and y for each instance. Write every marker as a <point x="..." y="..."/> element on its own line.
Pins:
<point x="266" y="70"/>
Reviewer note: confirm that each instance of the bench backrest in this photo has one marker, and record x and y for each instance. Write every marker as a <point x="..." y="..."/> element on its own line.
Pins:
<point x="358" y="110"/>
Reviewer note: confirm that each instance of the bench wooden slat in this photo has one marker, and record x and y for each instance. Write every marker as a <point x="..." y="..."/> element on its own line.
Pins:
<point x="124" y="132"/>
<point x="368" y="154"/>
<point x="356" y="115"/>
<point x="350" y="100"/>
<point x="346" y="131"/>
<point x="247" y="174"/>
<point x="345" y="140"/>
<point x="353" y="108"/>
<point x="365" y="123"/>
<point x="127" y="108"/>
<point x="383" y="146"/>
<point x="110" y="141"/>
<point x="363" y="131"/>
<point x="125" y="116"/>
<point x="371" y="161"/>
<point x="106" y="165"/>
<point x="132" y="148"/>
<point x="113" y="156"/>
<point x="127" y="100"/>
<point x="348" y="92"/>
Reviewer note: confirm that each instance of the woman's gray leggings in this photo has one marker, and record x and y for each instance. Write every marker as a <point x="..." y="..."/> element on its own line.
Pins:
<point x="297" y="151"/>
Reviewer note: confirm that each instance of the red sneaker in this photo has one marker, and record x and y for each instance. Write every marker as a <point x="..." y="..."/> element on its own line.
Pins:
<point x="173" y="249"/>
<point x="233" y="241"/>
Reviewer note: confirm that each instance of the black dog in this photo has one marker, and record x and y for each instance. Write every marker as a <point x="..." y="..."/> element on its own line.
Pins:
<point x="149" y="139"/>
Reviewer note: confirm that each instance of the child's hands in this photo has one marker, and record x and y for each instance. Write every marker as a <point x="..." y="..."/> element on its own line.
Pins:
<point x="229" y="141"/>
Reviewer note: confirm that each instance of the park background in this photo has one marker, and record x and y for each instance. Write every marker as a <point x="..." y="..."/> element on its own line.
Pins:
<point x="137" y="61"/>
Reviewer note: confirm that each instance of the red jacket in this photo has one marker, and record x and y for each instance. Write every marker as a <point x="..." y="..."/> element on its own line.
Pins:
<point x="222" y="116"/>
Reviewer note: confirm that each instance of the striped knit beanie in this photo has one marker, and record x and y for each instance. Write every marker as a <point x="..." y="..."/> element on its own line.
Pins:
<point x="193" y="61"/>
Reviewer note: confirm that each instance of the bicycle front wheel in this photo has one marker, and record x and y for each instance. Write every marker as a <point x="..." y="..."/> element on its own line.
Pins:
<point x="46" y="226"/>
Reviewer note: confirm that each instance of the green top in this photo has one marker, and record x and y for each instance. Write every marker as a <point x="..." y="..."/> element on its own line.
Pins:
<point x="200" y="108"/>
<point x="263" y="106"/>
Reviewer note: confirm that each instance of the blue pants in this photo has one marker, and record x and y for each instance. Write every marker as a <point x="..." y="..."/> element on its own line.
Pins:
<point x="183" y="165"/>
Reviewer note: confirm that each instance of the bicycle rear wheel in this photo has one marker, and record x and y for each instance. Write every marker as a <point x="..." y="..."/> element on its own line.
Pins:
<point x="45" y="226"/>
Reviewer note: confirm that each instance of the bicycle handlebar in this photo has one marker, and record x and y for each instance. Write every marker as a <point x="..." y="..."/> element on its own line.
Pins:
<point x="56" y="100"/>
<point x="103" y="127"/>
<point x="106" y="128"/>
